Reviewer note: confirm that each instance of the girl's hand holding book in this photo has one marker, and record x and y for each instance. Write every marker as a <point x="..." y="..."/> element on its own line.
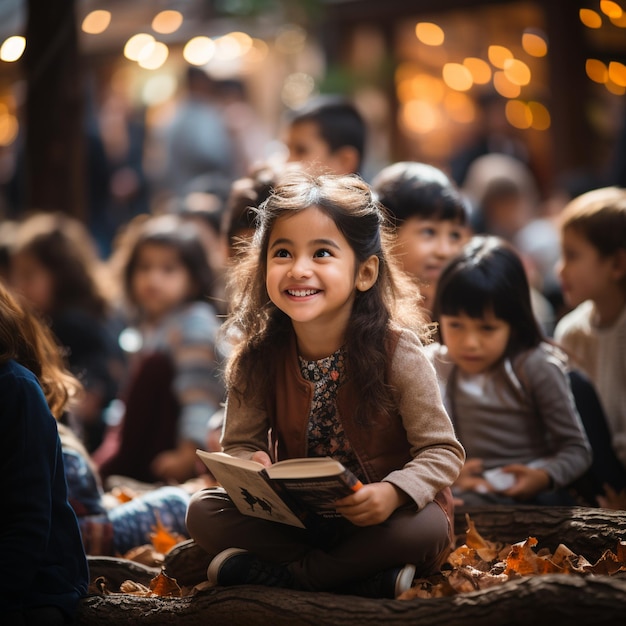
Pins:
<point x="371" y="504"/>
<point x="262" y="457"/>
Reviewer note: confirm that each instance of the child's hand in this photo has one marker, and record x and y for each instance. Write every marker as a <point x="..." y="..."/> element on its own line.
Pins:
<point x="175" y="466"/>
<point x="371" y="504"/>
<point x="471" y="477"/>
<point x="262" y="457"/>
<point x="612" y="499"/>
<point x="528" y="481"/>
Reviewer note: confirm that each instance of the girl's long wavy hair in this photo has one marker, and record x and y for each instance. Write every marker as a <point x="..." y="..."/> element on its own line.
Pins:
<point x="26" y="340"/>
<point x="256" y="327"/>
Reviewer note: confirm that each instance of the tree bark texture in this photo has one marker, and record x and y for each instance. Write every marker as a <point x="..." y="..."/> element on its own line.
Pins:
<point x="536" y="600"/>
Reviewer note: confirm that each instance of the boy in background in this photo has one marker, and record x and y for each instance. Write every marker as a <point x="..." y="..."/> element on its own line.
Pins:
<point x="327" y="135"/>
<point x="592" y="271"/>
<point x="431" y="219"/>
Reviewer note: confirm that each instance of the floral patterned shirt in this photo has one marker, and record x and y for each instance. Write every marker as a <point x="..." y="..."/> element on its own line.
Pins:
<point x="326" y="436"/>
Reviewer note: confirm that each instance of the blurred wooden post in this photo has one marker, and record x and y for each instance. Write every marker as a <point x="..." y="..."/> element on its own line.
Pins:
<point x="55" y="171"/>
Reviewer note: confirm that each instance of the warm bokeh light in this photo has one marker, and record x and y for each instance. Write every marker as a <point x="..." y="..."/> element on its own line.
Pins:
<point x="540" y="116"/>
<point x="258" y="51"/>
<point x="504" y="86"/>
<point x="167" y="22"/>
<point x="620" y="21"/>
<point x="479" y="69"/>
<point x="9" y="127"/>
<point x="421" y="87"/>
<point x="617" y="73"/>
<point x="611" y="9"/>
<point x="136" y="44"/>
<point x="517" y="71"/>
<point x="232" y="46"/>
<point x="297" y="89"/>
<point x="460" y="107"/>
<point x="597" y="71"/>
<point x="534" y="44"/>
<point x="96" y="22"/>
<point x="199" y="50"/>
<point x="518" y="114"/>
<point x="590" y="18"/>
<point x="498" y="55"/>
<point x="158" y="89"/>
<point x="429" y="34"/>
<point x="618" y="90"/>
<point x="153" y="55"/>
<point x="420" y="117"/>
<point x="243" y="40"/>
<point x="12" y="48"/>
<point x="457" y="76"/>
<point x="290" y="40"/>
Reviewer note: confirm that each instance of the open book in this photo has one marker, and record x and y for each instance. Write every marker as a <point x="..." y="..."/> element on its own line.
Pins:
<point x="300" y="492"/>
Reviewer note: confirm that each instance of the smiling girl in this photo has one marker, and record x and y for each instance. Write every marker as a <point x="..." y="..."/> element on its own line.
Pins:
<point x="325" y="364"/>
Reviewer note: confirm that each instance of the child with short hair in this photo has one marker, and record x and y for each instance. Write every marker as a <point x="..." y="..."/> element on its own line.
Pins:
<point x="593" y="277"/>
<point x="431" y="219"/>
<point x="328" y="361"/>
<point x="506" y="389"/>
<point x="327" y="135"/>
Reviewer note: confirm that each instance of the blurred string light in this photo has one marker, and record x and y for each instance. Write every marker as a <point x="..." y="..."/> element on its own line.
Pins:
<point x="479" y="69"/>
<point x="612" y="76"/>
<point x="167" y="22"/>
<point x="429" y="33"/>
<point x="590" y="18"/>
<point x="153" y="55"/>
<point x="12" y="48"/>
<point x="258" y="51"/>
<point x="525" y="115"/>
<point x="517" y="72"/>
<point x="420" y="117"/>
<point x="498" y="55"/>
<point x="457" y="76"/>
<point x="199" y="50"/>
<point x="534" y="43"/>
<point x="504" y="86"/>
<point x="136" y="44"/>
<point x="611" y="9"/>
<point x="96" y="22"/>
<point x="232" y="46"/>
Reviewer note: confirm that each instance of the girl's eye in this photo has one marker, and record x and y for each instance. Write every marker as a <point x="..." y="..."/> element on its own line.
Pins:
<point x="281" y="253"/>
<point x="455" y="236"/>
<point x="322" y="253"/>
<point x="427" y="232"/>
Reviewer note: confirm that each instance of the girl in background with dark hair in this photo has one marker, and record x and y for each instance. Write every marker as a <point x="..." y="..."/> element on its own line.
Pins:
<point x="174" y="383"/>
<point x="327" y="360"/>
<point x="55" y="267"/>
<point x="505" y="388"/>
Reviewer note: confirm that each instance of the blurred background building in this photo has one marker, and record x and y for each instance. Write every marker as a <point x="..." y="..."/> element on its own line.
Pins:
<point x="89" y="89"/>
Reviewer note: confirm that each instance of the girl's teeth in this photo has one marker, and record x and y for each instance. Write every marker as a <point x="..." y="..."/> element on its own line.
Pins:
<point x="301" y="292"/>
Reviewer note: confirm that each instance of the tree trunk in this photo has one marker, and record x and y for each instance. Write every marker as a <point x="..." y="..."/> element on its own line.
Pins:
<point x="54" y="147"/>
<point x="536" y="600"/>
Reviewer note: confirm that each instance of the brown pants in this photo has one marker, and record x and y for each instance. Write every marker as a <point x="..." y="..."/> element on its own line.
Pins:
<point x="340" y="555"/>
